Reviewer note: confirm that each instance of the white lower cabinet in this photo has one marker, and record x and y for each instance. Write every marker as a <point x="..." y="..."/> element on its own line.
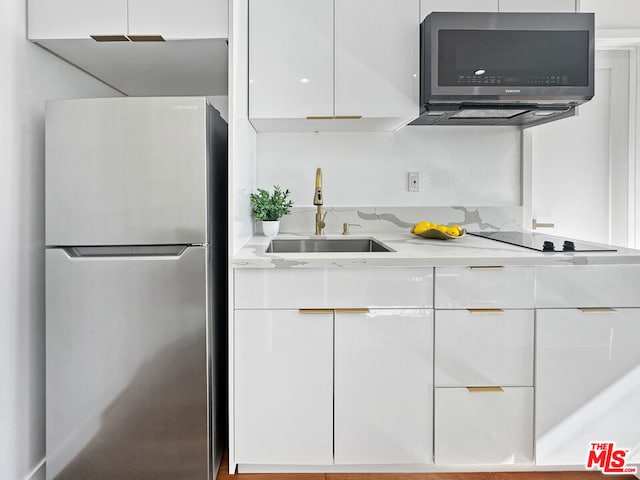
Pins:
<point x="283" y="387"/>
<point x="383" y="386"/>
<point x="483" y="426"/>
<point x="587" y="383"/>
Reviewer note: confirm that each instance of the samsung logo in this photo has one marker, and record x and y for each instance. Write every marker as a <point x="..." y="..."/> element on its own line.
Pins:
<point x="512" y="91"/>
<point x="186" y="107"/>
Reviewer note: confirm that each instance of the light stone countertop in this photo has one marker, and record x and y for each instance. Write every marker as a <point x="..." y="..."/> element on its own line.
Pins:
<point x="413" y="251"/>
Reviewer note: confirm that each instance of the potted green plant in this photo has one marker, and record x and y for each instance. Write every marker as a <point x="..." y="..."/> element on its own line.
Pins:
<point x="269" y="207"/>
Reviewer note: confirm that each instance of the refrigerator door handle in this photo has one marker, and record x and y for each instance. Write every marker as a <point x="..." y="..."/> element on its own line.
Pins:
<point x="126" y="251"/>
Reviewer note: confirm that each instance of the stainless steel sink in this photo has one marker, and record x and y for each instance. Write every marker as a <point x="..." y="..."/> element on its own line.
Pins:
<point x="317" y="245"/>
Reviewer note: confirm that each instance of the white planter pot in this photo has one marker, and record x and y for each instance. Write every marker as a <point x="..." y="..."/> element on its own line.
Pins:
<point x="270" y="229"/>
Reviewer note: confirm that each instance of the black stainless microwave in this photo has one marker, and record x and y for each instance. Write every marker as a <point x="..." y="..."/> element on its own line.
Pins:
<point x="504" y="68"/>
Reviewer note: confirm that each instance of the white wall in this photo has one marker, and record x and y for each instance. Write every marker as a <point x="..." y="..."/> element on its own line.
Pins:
<point x="469" y="166"/>
<point x="29" y="76"/>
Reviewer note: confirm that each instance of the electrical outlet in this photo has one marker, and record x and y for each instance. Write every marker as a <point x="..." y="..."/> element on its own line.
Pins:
<point x="414" y="181"/>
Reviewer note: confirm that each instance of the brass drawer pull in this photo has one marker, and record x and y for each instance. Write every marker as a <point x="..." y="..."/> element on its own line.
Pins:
<point x="485" y="389"/>
<point x="348" y="117"/>
<point x="352" y="310"/>
<point x="485" y="310"/>
<point x="319" y="117"/>
<point x="597" y="310"/>
<point x="487" y="267"/>
<point x="311" y="311"/>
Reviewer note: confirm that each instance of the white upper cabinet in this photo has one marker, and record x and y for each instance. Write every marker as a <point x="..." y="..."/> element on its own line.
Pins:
<point x="179" y="19"/>
<point x="621" y="14"/>
<point x="126" y="58"/>
<point x="428" y="6"/>
<point x="347" y="65"/>
<point x="173" y="19"/>
<point x="76" y="18"/>
<point x="376" y="58"/>
<point x="290" y="58"/>
<point x="537" y="6"/>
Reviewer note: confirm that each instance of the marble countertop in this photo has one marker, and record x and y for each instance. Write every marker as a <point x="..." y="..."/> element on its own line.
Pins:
<point x="410" y="250"/>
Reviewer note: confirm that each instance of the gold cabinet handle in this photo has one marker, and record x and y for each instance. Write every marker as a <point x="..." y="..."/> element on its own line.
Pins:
<point x="320" y="117"/>
<point x="485" y="389"/>
<point x="110" y="38"/>
<point x="487" y="267"/>
<point x="485" y="310"/>
<point x="597" y="309"/>
<point x="535" y="224"/>
<point x="352" y="310"/>
<point x="315" y="311"/>
<point x="348" y="117"/>
<point x="146" y="38"/>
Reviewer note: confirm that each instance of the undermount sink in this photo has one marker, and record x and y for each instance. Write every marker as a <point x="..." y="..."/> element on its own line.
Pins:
<point x="318" y="245"/>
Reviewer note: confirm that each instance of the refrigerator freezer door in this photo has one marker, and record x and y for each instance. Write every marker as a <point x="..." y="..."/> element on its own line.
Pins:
<point x="126" y="354"/>
<point x="126" y="171"/>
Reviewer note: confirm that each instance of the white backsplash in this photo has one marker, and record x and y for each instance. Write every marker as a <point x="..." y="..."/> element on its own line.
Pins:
<point x="471" y="166"/>
<point x="301" y="220"/>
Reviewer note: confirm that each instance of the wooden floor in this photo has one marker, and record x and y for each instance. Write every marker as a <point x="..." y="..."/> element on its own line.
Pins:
<point x="224" y="475"/>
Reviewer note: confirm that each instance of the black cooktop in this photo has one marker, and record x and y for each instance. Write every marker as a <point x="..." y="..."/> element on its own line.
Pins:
<point x="544" y="243"/>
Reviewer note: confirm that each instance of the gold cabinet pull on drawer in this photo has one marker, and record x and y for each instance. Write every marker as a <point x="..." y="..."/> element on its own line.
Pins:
<point x="348" y="117"/>
<point x="319" y="117"/>
<point x="597" y="309"/>
<point x="485" y="389"/>
<point x="485" y="310"/>
<point x="311" y="311"/>
<point x="352" y="310"/>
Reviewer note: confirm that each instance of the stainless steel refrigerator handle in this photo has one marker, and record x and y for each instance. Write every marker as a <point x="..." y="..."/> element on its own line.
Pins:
<point x="126" y="251"/>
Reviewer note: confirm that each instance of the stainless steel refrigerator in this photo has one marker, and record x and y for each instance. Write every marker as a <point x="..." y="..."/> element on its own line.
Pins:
<point x="136" y="269"/>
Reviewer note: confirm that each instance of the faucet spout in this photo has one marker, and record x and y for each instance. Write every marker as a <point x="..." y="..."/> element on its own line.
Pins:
<point x="317" y="200"/>
<point x="317" y="197"/>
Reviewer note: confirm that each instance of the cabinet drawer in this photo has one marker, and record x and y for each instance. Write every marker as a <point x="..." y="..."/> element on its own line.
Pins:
<point x="494" y="427"/>
<point x="334" y="288"/>
<point x="484" y="348"/>
<point x="588" y="286"/>
<point x="484" y="287"/>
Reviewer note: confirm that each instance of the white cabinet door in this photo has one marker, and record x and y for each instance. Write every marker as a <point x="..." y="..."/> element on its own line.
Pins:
<point x="49" y="19"/>
<point x="383" y="387"/>
<point x="537" y="5"/>
<point x="290" y="58"/>
<point x="428" y="6"/>
<point x="587" y="383"/>
<point x="283" y="387"/>
<point x="377" y="58"/>
<point x="178" y="19"/>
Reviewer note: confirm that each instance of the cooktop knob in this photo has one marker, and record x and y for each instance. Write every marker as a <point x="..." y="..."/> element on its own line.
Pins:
<point x="548" y="246"/>
<point x="568" y="246"/>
